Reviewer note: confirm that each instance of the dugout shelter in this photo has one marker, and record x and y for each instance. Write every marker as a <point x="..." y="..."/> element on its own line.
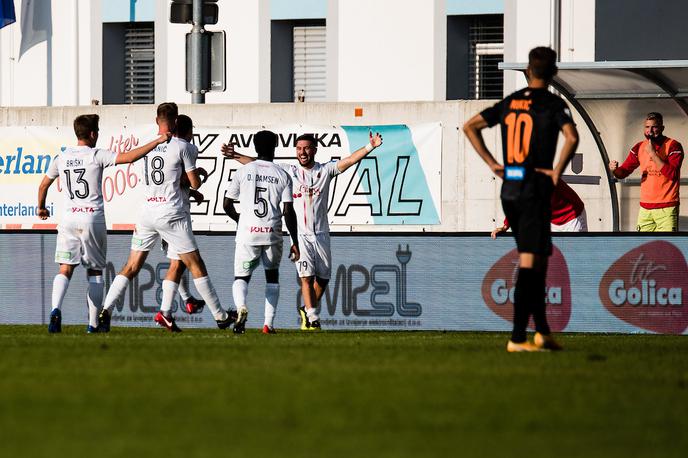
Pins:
<point x="613" y="97"/>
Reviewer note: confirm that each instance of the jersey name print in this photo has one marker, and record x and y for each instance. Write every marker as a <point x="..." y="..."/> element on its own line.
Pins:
<point x="80" y="170"/>
<point x="261" y="187"/>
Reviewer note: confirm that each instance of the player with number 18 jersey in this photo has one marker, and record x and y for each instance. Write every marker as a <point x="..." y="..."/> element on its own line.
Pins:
<point x="165" y="211"/>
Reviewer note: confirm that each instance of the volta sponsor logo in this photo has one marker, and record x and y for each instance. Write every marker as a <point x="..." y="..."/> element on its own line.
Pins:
<point x="499" y="286"/>
<point x="646" y="288"/>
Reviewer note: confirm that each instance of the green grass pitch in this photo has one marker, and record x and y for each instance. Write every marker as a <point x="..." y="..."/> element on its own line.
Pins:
<point x="207" y="393"/>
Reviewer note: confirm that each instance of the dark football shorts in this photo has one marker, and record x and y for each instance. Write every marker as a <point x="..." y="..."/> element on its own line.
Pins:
<point x="530" y="222"/>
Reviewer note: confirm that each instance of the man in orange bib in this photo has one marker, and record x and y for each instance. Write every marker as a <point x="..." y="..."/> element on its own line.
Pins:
<point x="659" y="158"/>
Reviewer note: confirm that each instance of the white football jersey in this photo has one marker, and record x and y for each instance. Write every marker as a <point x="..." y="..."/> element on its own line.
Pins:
<point x="261" y="187"/>
<point x="80" y="169"/>
<point x="312" y="194"/>
<point x="161" y="170"/>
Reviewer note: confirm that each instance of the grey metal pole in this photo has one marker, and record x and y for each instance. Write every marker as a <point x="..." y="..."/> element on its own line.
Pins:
<point x="197" y="94"/>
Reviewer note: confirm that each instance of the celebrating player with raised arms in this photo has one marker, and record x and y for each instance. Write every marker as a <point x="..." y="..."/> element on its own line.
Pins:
<point x="311" y="195"/>
<point x="165" y="214"/>
<point x="82" y="233"/>
<point x="261" y="187"/>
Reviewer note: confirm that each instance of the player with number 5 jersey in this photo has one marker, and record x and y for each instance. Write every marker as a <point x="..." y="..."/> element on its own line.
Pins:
<point x="82" y="233"/>
<point x="262" y="188"/>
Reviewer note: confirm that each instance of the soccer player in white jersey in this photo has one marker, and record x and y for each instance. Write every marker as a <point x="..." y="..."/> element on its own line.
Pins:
<point x="311" y="195"/>
<point x="166" y="216"/>
<point x="175" y="280"/>
<point x="82" y="233"/>
<point x="260" y="187"/>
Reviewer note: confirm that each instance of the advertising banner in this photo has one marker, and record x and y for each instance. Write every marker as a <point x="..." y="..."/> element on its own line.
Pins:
<point x="398" y="183"/>
<point x="624" y="284"/>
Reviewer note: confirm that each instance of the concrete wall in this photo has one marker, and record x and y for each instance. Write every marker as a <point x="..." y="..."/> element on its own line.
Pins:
<point x="469" y="192"/>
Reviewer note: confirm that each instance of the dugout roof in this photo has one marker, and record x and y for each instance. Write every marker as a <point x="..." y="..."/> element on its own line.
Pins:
<point x="591" y="86"/>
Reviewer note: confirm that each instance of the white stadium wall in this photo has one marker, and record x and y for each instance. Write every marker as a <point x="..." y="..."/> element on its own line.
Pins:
<point x="372" y="58"/>
<point x="528" y="24"/>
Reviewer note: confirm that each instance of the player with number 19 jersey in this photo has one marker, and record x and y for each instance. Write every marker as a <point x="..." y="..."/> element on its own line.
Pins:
<point x="263" y="186"/>
<point x="311" y="195"/>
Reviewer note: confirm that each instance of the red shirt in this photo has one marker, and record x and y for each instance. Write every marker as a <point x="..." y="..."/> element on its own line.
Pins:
<point x="566" y="205"/>
<point x="659" y="188"/>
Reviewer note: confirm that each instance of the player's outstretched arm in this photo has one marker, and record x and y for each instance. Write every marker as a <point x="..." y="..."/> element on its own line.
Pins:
<point x="228" y="152"/>
<point x="138" y="153"/>
<point x="44" y="213"/>
<point x="360" y="153"/>
<point x="473" y="130"/>
<point x="570" y="145"/>
<point x="228" y="206"/>
<point x="292" y="227"/>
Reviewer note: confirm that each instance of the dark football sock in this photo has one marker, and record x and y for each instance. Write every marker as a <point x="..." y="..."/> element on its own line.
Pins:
<point x="538" y="303"/>
<point x="522" y="297"/>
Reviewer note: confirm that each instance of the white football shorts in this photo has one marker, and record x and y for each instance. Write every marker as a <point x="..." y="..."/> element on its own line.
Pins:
<point x="577" y="224"/>
<point x="316" y="256"/>
<point x="176" y="232"/>
<point x="84" y="243"/>
<point x="247" y="257"/>
<point x="169" y="251"/>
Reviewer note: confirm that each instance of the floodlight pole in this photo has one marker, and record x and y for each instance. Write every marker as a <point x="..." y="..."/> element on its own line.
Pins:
<point x="197" y="92"/>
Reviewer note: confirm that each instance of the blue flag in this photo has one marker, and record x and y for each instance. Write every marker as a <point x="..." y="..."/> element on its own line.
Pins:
<point x="7" y="15"/>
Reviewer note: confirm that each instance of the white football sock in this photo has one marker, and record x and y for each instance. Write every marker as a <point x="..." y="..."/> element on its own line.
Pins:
<point x="312" y="314"/>
<point x="116" y="292"/>
<point x="239" y="292"/>
<point x="168" y="289"/>
<point x="207" y="292"/>
<point x="60" y="285"/>
<point x="183" y="288"/>
<point x="94" y="298"/>
<point x="272" y="291"/>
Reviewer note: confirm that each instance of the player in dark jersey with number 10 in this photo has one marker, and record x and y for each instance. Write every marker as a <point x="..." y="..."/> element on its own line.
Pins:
<point x="531" y="120"/>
